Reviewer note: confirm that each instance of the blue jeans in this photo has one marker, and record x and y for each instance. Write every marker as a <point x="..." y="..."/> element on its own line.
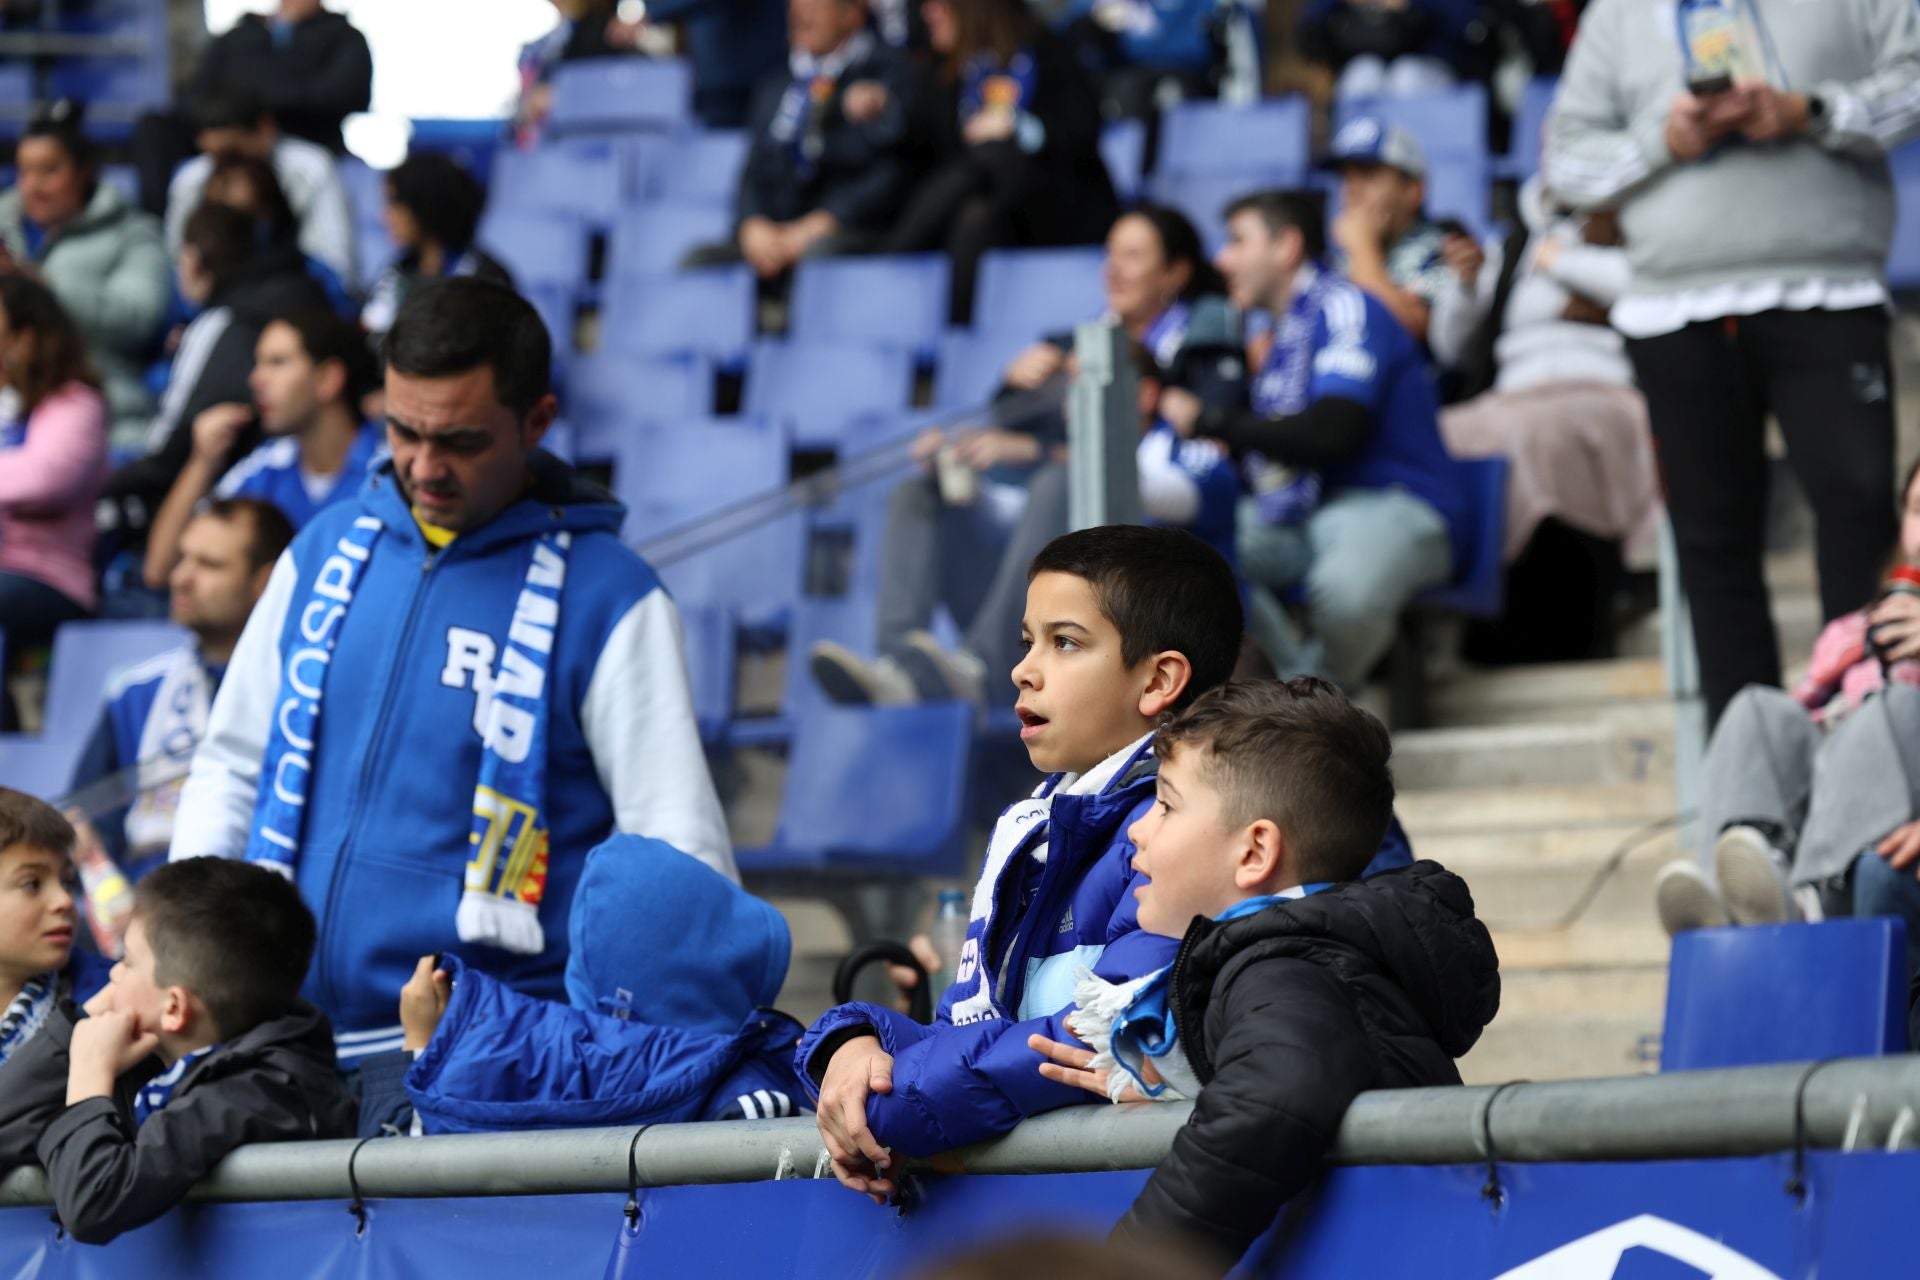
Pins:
<point x="1879" y="889"/>
<point x="1362" y="557"/>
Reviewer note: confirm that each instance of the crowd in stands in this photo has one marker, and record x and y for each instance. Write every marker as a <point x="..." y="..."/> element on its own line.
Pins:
<point x="427" y="786"/>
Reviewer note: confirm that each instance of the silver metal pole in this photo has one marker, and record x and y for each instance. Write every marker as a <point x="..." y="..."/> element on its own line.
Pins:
<point x="1103" y="430"/>
<point x="1682" y="663"/>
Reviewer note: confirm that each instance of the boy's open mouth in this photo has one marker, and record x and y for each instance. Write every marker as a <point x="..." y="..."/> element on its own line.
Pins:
<point x="1031" y="722"/>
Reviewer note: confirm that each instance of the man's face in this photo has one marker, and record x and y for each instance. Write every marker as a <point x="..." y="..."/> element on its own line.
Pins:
<point x="215" y="585"/>
<point x="818" y="27"/>
<point x="460" y="455"/>
<point x="1384" y="189"/>
<point x="300" y="10"/>
<point x="53" y="189"/>
<point x="37" y="911"/>
<point x="1183" y="847"/>
<point x="1079" y="702"/>
<point x="1255" y="262"/>
<point x="256" y="143"/>
<point x="288" y="388"/>
<point x="135" y="989"/>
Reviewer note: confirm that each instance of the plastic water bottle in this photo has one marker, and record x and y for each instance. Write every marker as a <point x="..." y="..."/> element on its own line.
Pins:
<point x="949" y="930"/>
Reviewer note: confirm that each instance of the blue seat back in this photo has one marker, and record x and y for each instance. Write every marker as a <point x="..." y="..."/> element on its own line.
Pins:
<point x="712" y="651"/>
<point x="652" y="239"/>
<point x="605" y="95"/>
<point x="1744" y="997"/>
<point x="972" y="365"/>
<point x="1123" y="147"/>
<point x="697" y="167"/>
<point x="1037" y="291"/>
<point x="1207" y="137"/>
<point x="708" y="312"/>
<point x="1204" y="197"/>
<point x="1478" y="589"/>
<point x="877" y="301"/>
<point x="366" y="188"/>
<point x="1903" y="263"/>
<point x="589" y="178"/>
<point x="537" y="246"/>
<point x="1530" y="127"/>
<point x="821" y="389"/>
<point x="1452" y="128"/>
<point x="610" y="393"/>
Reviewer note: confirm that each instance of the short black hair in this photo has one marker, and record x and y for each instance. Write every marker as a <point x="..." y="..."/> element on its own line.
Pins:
<point x="1301" y="755"/>
<point x="233" y="933"/>
<point x="224" y="237"/>
<point x="64" y="122"/>
<point x="228" y="106"/>
<point x="452" y="326"/>
<point x="1304" y="211"/>
<point x="269" y="529"/>
<point x="443" y="197"/>
<point x="1162" y="589"/>
<point x="325" y="335"/>
<point x="32" y="822"/>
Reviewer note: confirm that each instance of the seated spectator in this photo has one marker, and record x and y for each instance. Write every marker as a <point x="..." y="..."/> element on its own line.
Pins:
<point x="670" y="985"/>
<point x="582" y="32"/>
<point x="1548" y="386"/>
<point x="199" y="1044"/>
<point x="971" y="553"/>
<point x="1389" y="48"/>
<point x="102" y="258"/>
<point x="240" y="285"/>
<point x="53" y="460"/>
<point x="1382" y="240"/>
<point x="311" y="68"/>
<point x="1300" y="986"/>
<point x="252" y="187"/>
<point x="234" y="122"/>
<point x="433" y="210"/>
<point x="826" y="171"/>
<point x="156" y="712"/>
<point x="39" y="914"/>
<point x="1808" y="797"/>
<point x="1354" y="497"/>
<point x="1015" y="132"/>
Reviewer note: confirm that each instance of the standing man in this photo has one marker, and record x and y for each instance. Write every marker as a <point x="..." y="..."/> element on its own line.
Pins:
<point x="454" y="688"/>
<point x="1757" y="212"/>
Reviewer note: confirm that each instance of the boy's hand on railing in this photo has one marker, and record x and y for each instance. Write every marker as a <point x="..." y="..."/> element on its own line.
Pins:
<point x="423" y="1002"/>
<point x="905" y="979"/>
<point x="860" y="1067"/>
<point x="1070" y="1064"/>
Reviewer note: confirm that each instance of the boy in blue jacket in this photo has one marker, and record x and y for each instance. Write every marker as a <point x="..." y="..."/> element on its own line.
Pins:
<point x="669" y="975"/>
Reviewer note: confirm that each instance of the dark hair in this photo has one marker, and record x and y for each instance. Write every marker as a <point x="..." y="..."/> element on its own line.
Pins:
<point x="443" y="197"/>
<point x="325" y="336"/>
<point x="1301" y="755"/>
<point x="233" y="933"/>
<point x="1162" y="589"/>
<point x="63" y="123"/>
<point x="999" y="27"/>
<point x="271" y="212"/>
<point x="59" y="352"/>
<point x="223" y="236"/>
<point x="29" y="821"/>
<point x="228" y="106"/>
<point x="1180" y="242"/>
<point x="1304" y="211"/>
<point x="269" y="529"/>
<point x="452" y="326"/>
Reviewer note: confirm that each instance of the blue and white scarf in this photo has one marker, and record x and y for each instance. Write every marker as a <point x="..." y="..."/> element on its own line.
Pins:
<point x="1167" y="332"/>
<point x="27" y="1013"/>
<point x="173" y="728"/>
<point x="506" y="874"/>
<point x="800" y="121"/>
<point x="1287" y="495"/>
<point x="158" y="1092"/>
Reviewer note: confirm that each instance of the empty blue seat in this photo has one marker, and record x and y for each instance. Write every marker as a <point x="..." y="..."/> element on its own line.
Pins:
<point x="608" y="393"/>
<point x="653" y="238"/>
<point x="1744" y="997"/>
<point x="1207" y="137"/>
<point x="880" y="301"/>
<point x="1123" y="146"/>
<point x="1479" y="587"/>
<point x="697" y="167"/>
<point x="1529" y="128"/>
<point x="606" y="95"/>
<point x="1903" y="264"/>
<point x="874" y="789"/>
<point x="820" y="389"/>
<point x="971" y="366"/>
<point x="711" y="654"/>
<point x="708" y="312"/>
<point x="589" y="178"/>
<point x="538" y="247"/>
<point x="1036" y="291"/>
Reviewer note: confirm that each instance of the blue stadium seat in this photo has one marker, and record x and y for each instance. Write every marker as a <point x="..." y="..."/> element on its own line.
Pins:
<point x="608" y="95"/>
<point x="874" y="789"/>
<point x="1903" y="264"/>
<point x="1209" y="138"/>
<point x="1204" y="197"/>
<point x="1452" y="128"/>
<point x="820" y="389"/>
<point x="971" y="366"/>
<point x="555" y="303"/>
<point x="590" y="178"/>
<point x="366" y="188"/>
<point x="1123" y="146"/>
<point x="653" y="238"/>
<point x="1748" y="996"/>
<point x="697" y="167"/>
<point x="881" y="301"/>
<point x="1478" y="589"/>
<point x="609" y="393"/>
<point x="1529" y="128"/>
<point x="537" y="247"/>
<point x="712" y="652"/>
<point x="1036" y="291"/>
<point x="708" y="312"/>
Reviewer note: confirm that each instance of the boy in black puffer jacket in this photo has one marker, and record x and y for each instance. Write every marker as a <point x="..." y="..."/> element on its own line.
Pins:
<point x="1297" y="986"/>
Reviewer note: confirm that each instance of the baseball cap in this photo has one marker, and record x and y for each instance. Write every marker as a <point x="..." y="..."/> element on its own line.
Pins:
<point x="1370" y="140"/>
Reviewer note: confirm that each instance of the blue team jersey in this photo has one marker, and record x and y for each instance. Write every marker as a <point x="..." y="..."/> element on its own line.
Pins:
<point x="272" y="474"/>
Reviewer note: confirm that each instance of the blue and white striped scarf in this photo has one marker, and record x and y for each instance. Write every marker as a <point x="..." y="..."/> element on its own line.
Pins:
<point x="27" y="1013"/>
<point x="158" y="1092"/>
<point x="506" y="874"/>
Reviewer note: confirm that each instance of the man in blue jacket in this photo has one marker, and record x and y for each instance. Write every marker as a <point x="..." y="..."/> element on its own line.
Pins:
<point x="454" y="687"/>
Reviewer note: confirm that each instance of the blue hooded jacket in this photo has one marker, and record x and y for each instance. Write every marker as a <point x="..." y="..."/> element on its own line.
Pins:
<point x="671" y="969"/>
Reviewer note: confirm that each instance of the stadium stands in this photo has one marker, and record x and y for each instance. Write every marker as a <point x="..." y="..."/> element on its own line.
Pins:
<point x="607" y="95"/>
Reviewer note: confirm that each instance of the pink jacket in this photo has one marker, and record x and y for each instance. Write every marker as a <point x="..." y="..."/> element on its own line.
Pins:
<point x="48" y="485"/>
<point x="1842" y="673"/>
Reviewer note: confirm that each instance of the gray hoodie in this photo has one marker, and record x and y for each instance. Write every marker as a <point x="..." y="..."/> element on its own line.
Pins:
<point x="1819" y="206"/>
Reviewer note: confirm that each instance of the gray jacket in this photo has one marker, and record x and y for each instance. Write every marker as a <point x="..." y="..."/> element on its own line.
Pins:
<point x="109" y="268"/>
<point x="1816" y="206"/>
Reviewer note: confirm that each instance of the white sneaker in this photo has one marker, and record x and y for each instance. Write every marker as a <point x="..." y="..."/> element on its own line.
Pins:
<point x="953" y="673"/>
<point x="847" y="678"/>
<point x="1753" y="877"/>
<point x="1686" y="900"/>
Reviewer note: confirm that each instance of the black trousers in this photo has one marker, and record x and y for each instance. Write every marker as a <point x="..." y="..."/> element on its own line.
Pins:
<point x="1827" y="377"/>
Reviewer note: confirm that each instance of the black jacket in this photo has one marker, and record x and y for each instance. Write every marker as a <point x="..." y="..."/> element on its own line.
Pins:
<point x="276" y="1083"/>
<point x="322" y="75"/>
<point x="860" y="173"/>
<point x="1286" y="1015"/>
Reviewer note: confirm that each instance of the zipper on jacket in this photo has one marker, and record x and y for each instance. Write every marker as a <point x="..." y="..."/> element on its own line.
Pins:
<point x="324" y="969"/>
<point x="1187" y="944"/>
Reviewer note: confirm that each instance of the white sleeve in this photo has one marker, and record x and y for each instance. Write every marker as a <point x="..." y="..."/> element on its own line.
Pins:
<point x="1167" y="492"/>
<point x="326" y="231"/>
<point x="1599" y="272"/>
<point x="216" y="803"/>
<point x="1458" y="311"/>
<point x="1876" y="113"/>
<point x="1595" y="154"/>
<point x="639" y="725"/>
